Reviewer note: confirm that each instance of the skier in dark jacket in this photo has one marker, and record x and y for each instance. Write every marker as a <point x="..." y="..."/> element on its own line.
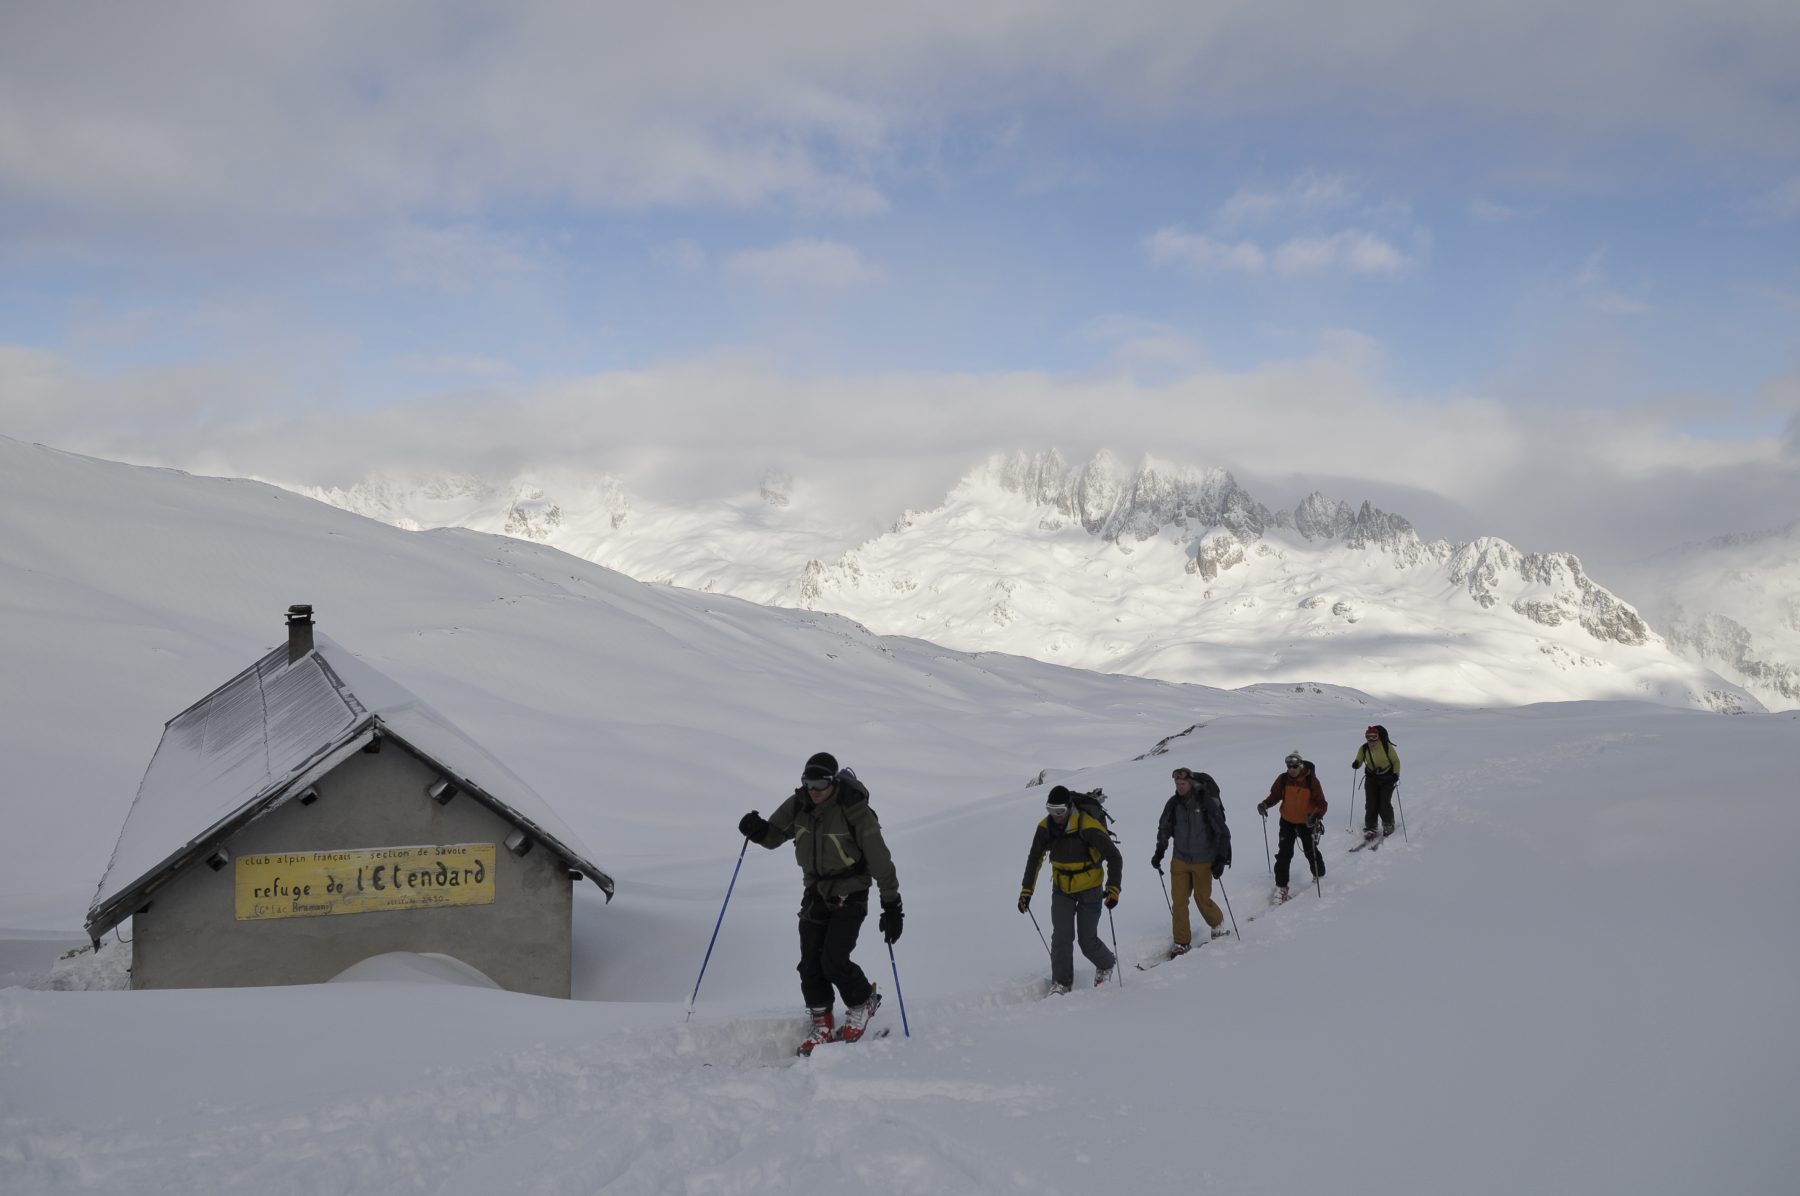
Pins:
<point x="1077" y="843"/>
<point x="1378" y="753"/>
<point x="1302" y="800"/>
<point x="1193" y="821"/>
<point x="838" y="844"/>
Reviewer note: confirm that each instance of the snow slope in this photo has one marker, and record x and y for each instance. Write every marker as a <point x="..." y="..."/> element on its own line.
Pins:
<point x="131" y="593"/>
<point x="1152" y="570"/>
<point x="1571" y="978"/>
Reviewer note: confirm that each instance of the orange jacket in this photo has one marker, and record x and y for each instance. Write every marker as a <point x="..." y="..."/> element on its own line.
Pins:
<point x="1299" y="799"/>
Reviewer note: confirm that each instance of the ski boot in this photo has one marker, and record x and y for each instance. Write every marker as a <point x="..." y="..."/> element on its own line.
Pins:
<point x="856" y="1018"/>
<point x="824" y="1030"/>
<point x="1101" y="976"/>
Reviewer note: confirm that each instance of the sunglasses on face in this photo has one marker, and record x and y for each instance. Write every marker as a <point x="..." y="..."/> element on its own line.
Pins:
<point x="816" y="784"/>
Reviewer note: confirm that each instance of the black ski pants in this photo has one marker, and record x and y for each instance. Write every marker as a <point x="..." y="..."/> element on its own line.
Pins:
<point x="1378" y="801"/>
<point x="828" y="931"/>
<point x="1284" y="855"/>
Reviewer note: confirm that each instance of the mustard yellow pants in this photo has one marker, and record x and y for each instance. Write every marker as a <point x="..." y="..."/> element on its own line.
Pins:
<point x="1196" y="880"/>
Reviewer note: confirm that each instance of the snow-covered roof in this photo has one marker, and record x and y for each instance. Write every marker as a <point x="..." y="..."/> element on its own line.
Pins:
<point x="264" y="737"/>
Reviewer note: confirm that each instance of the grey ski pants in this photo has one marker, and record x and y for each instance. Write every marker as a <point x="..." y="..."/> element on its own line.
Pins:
<point x="1075" y="917"/>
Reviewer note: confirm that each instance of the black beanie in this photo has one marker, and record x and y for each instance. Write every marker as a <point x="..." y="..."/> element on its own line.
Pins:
<point x="820" y="764"/>
<point x="1058" y="796"/>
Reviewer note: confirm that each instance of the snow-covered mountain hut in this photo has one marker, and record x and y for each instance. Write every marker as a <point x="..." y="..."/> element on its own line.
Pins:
<point x="311" y="813"/>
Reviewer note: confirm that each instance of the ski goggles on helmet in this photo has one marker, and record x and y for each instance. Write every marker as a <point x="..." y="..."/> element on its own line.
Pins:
<point x="818" y="784"/>
<point x="1182" y="774"/>
<point x="1294" y="762"/>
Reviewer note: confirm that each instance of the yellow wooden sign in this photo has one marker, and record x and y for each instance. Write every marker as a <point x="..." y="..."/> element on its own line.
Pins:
<point x="311" y="884"/>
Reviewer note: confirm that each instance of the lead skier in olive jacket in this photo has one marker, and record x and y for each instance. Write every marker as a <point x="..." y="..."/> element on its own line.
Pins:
<point x="838" y="845"/>
<point x="1193" y="821"/>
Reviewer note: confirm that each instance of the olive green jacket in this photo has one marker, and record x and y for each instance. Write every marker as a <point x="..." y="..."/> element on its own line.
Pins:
<point x="837" y="842"/>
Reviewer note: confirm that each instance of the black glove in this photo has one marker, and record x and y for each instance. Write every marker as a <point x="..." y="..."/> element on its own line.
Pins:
<point x="753" y="825"/>
<point x="1025" y="901"/>
<point x="1156" y="863"/>
<point x="891" y="921"/>
<point x="1219" y="869"/>
<point x="1112" y="898"/>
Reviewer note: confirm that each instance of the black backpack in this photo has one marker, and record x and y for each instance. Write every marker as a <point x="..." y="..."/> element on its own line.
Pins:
<point x="1093" y="804"/>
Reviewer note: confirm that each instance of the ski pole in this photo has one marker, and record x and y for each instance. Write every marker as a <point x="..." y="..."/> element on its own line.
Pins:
<point x="902" y="996"/>
<point x="1314" y="859"/>
<point x="715" y="933"/>
<point x="1117" y="970"/>
<point x="1227" y="897"/>
<point x="1271" y="867"/>
<point x="1041" y="937"/>
<point x="1404" y="836"/>
<point x="1355" y="780"/>
<point x="1167" y="900"/>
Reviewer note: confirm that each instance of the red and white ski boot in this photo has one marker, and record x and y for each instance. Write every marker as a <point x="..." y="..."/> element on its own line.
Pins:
<point x="856" y="1018"/>
<point x="824" y="1030"/>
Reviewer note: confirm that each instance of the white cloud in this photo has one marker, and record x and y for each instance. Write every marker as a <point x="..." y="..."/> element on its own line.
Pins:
<point x="1488" y="211"/>
<point x="1355" y="251"/>
<point x="1306" y="197"/>
<point x="1606" y="482"/>
<point x="1174" y="245"/>
<point x="1351" y="251"/>
<point x="804" y="264"/>
<point x="336" y="108"/>
<point x="1290" y="241"/>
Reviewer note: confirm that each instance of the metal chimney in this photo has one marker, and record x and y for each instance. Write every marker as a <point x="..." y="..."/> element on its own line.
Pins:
<point x="300" y="627"/>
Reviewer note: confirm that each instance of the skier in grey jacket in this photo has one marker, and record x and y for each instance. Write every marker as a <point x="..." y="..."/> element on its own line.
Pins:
<point x="1193" y="820"/>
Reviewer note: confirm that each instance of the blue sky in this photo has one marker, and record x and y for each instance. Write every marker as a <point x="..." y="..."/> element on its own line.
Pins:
<point x="223" y="235"/>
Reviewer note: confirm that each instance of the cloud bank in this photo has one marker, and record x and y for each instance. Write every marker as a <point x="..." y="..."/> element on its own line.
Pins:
<point x="1609" y="484"/>
<point x="336" y="109"/>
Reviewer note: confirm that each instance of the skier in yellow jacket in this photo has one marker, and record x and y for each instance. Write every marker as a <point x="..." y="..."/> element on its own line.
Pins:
<point x="1077" y="843"/>
<point x="1378" y="753"/>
